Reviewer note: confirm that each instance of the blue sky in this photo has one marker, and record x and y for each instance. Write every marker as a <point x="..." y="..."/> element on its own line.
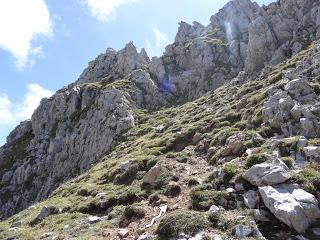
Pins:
<point x="45" y="44"/>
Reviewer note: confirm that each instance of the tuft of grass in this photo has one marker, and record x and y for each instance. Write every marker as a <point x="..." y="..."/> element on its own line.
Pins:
<point x="182" y="221"/>
<point x="289" y="161"/>
<point x="131" y="214"/>
<point x="230" y="171"/>
<point x="202" y="197"/>
<point x="255" y="159"/>
<point x="309" y="178"/>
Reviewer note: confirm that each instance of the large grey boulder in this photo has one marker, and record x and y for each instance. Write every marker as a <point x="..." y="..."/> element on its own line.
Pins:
<point x="291" y="205"/>
<point x="267" y="173"/>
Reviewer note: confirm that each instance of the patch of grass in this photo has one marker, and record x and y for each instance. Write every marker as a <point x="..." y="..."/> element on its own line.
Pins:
<point x="289" y="161"/>
<point x="230" y="171"/>
<point x="309" y="178"/>
<point x="314" y="142"/>
<point x="202" y="197"/>
<point x="287" y="145"/>
<point x="255" y="159"/>
<point x="182" y="221"/>
<point x="131" y="214"/>
<point x="233" y="117"/>
<point x="179" y="156"/>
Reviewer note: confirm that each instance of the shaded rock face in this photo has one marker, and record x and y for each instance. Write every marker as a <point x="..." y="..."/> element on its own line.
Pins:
<point x="291" y="205"/>
<point x="71" y="130"/>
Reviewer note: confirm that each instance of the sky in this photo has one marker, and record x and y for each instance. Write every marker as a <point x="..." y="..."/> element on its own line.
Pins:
<point x="46" y="44"/>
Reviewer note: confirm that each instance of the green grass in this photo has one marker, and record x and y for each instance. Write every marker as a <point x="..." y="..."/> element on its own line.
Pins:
<point x="181" y="221"/>
<point x="309" y="178"/>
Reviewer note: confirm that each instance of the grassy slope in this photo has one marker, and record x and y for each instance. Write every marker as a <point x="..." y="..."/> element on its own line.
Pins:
<point x="215" y="115"/>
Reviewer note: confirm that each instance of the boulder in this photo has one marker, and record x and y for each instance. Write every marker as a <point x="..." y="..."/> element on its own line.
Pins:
<point x="267" y="173"/>
<point x="312" y="152"/>
<point x="291" y="205"/>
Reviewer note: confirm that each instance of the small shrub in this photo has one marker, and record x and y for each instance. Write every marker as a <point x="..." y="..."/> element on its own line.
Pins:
<point x="131" y="214"/>
<point x="230" y="171"/>
<point x="181" y="221"/>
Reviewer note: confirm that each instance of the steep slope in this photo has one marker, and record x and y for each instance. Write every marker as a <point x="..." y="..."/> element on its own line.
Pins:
<point x="108" y="128"/>
<point x="191" y="157"/>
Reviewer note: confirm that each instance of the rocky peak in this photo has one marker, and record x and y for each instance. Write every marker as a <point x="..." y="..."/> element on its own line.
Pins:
<point x="114" y="65"/>
<point x="186" y="32"/>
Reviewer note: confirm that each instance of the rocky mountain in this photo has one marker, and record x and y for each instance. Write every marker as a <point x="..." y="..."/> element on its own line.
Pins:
<point x="223" y="129"/>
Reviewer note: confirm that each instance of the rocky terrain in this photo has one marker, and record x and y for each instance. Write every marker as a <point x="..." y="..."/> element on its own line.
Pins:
<point x="223" y="129"/>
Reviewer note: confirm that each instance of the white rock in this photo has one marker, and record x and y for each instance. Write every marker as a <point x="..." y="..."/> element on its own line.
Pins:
<point x="267" y="173"/>
<point x="291" y="205"/>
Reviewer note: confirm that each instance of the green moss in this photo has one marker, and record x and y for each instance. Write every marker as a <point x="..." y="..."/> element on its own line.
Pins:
<point x="182" y="221"/>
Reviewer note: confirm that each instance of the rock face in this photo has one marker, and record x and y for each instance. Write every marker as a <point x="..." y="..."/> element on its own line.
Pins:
<point x="291" y="205"/>
<point x="293" y="109"/>
<point x="71" y="130"/>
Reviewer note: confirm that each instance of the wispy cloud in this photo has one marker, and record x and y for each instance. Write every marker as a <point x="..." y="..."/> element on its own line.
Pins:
<point x="156" y="46"/>
<point x="103" y="10"/>
<point x="21" y="22"/>
<point x="11" y="113"/>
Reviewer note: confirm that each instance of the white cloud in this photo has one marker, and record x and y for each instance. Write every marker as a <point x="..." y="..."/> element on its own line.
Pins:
<point x="13" y="113"/>
<point x="31" y="100"/>
<point x="21" y="22"/>
<point x="157" y="46"/>
<point x="104" y="9"/>
<point x="6" y="116"/>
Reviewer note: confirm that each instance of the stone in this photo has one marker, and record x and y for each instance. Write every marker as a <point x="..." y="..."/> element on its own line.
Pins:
<point x="93" y="219"/>
<point x="196" y="138"/>
<point x="312" y="152"/>
<point x="261" y="215"/>
<point x="44" y="213"/>
<point x="215" y="210"/>
<point x="302" y="142"/>
<point x="239" y="187"/>
<point x="291" y="205"/>
<point x="242" y="231"/>
<point x="298" y="88"/>
<point x="46" y="235"/>
<point x="251" y="199"/>
<point x="152" y="175"/>
<point x="122" y="233"/>
<point x="126" y="165"/>
<point x="267" y="173"/>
